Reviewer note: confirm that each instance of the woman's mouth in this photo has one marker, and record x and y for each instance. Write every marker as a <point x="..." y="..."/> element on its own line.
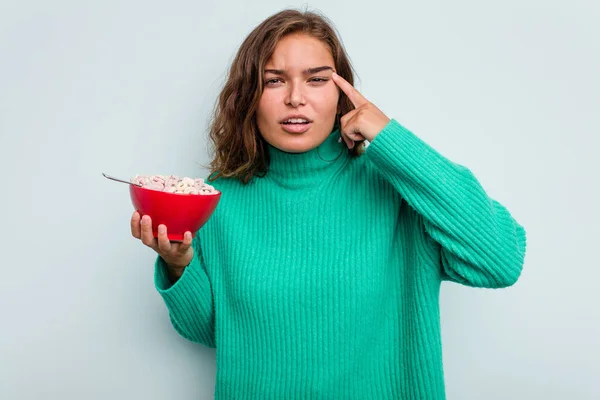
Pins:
<point x="296" y="125"/>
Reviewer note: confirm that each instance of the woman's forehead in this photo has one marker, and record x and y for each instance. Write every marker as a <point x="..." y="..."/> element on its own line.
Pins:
<point x="299" y="55"/>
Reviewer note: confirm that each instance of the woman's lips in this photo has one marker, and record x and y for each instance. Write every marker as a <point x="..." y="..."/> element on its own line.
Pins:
<point x="296" y="128"/>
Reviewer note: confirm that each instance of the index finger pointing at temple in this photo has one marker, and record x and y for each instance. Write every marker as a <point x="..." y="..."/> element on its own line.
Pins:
<point x="354" y="95"/>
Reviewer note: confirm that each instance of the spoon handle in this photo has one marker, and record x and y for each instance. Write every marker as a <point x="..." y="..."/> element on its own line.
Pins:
<point x="120" y="180"/>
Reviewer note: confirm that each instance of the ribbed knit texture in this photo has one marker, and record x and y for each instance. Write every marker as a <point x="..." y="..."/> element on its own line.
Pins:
<point x="321" y="280"/>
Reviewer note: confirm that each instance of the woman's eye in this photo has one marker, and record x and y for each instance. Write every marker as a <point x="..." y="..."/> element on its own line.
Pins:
<point x="270" y="81"/>
<point x="274" y="81"/>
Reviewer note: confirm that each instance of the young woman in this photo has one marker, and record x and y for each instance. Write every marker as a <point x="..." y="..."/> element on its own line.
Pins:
<point x="318" y="275"/>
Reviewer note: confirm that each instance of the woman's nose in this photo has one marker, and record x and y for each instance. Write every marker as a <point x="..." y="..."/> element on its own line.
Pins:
<point x="295" y="96"/>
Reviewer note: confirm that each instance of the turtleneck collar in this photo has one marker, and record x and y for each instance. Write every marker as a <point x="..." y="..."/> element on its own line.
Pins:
<point x="300" y="170"/>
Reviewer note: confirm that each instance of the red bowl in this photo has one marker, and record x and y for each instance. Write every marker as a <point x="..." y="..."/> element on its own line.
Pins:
<point x="178" y="212"/>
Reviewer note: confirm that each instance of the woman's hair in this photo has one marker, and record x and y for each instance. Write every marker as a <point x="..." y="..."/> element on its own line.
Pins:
<point x="239" y="149"/>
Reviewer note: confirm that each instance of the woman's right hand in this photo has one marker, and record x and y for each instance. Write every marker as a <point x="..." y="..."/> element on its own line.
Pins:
<point x="177" y="255"/>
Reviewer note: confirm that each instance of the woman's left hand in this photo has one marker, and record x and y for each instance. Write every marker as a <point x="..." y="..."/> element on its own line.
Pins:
<point x="365" y="121"/>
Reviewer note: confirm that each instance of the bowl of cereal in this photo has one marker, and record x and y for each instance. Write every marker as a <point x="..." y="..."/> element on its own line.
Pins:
<point x="181" y="204"/>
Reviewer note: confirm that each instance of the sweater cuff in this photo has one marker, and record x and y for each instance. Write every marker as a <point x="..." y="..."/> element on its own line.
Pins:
<point x="192" y="281"/>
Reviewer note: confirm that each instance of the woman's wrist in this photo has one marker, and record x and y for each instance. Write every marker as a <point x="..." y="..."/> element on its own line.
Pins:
<point x="174" y="272"/>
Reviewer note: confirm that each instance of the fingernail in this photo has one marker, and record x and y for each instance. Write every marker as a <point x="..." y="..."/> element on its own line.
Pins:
<point x="161" y="229"/>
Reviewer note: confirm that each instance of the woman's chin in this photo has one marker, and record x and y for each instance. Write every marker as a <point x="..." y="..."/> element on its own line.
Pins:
<point x="297" y="146"/>
<point x="298" y="142"/>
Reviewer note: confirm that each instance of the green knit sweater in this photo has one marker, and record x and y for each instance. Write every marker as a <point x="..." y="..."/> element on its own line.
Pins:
<point x="321" y="279"/>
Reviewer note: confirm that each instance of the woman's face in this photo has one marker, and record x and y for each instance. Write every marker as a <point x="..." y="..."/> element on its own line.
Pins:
<point x="298" y="83"/>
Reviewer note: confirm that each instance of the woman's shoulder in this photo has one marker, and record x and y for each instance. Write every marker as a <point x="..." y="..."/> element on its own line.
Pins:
<point x="365" y="173"/>
<point x="360" y="163"/>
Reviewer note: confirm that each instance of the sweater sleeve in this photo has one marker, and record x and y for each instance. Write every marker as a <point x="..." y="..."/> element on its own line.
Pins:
<point x="189" y="300"/>
<point x="481" y="243"/>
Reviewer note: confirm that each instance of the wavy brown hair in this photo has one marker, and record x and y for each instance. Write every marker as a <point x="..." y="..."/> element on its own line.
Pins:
<point x="239" y="149"/>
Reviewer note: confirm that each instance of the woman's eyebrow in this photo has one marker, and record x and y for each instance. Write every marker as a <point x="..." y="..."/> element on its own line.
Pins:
<point x="308" y="71"/>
